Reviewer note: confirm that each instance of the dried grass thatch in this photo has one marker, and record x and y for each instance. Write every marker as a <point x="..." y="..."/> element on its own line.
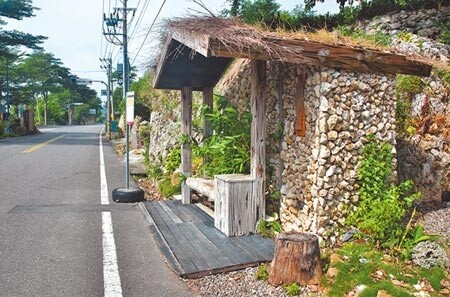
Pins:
<point x="237" y="37"/>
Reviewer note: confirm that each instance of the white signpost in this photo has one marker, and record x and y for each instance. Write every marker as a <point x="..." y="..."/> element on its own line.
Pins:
<point x="130" y="108"/>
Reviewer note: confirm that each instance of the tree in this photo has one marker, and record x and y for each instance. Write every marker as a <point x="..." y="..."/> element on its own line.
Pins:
<point x="43" y="73"/>
<point x="17" y="9"/>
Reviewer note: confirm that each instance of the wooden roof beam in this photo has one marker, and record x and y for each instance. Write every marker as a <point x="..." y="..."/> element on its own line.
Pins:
<point x="315" y="53"/>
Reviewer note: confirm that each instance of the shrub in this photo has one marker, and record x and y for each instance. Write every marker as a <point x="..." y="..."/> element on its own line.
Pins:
<point x="228" y="149"/>
<point x="382" y="205"/>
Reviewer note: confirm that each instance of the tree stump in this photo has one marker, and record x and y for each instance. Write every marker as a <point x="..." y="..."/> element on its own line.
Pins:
<point x="296" y="260"/>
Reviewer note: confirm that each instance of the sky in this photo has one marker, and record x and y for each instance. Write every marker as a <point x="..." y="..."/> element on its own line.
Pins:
<point x="75" y="34"/>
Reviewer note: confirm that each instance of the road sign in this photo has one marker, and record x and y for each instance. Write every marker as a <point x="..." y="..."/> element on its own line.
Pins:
<point x="84" y="81"/>
<point x="92" y="111"/>
<point x="130" y="108"/>
<point x="104" y="93"/>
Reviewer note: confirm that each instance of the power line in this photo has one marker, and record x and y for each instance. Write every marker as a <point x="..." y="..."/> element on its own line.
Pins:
<point x="140" y="18"/>
<point x="149" y="30"/>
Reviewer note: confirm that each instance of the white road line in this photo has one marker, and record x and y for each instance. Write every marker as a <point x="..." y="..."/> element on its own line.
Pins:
<point x="111" y="278"/>
<point x="103" y="183"/>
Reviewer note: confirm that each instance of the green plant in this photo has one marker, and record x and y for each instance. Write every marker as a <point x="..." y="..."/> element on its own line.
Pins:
<point x="445" y="32"/>
<point x="404" y="123"/>
<point x="173" y="160"/>
<point x="409" y="85"/>
<point x="228" y="149"/>
<point x="362" y="264"/>
<point x="444" y="76"/>
<point x="292" y="289"/>
<point x="167" y="188"/>
<point x="269" y="228"/>
<point x="411" y="237"/>
<point x="382" y="204"/>
<point x="262" y="273"/>
<point x="154" y="171"/>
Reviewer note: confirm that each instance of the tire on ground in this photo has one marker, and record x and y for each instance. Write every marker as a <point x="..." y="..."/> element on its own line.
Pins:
<point x="124" y="195"/>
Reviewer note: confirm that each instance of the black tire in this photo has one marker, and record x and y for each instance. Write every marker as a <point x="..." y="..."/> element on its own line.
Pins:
<point x="123" y="195"/>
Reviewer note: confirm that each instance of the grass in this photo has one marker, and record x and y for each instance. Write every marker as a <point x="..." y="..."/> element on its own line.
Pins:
<point x="362" y="264"/>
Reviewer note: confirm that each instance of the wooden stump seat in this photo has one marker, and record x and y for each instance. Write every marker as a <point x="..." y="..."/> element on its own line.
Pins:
<point x="296" y="260"/>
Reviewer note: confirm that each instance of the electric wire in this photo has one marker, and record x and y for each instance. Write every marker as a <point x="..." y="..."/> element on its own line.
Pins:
<point x="149" y="30"/>
<point x="140" y="18"/>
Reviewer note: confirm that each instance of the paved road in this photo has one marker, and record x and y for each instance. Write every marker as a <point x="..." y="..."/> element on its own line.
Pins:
<point x="55" y="235"/>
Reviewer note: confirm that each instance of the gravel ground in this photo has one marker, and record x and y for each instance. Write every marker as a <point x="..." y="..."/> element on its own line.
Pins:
<point x="241" y="283"/>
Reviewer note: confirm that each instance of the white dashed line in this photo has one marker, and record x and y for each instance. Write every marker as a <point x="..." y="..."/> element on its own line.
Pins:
<point x="103" y="183"/>
<point x="111" y="277"/>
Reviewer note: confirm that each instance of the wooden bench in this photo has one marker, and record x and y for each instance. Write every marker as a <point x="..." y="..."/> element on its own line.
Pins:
<point x="232" y="196"/>
<point x="203" y="186"/>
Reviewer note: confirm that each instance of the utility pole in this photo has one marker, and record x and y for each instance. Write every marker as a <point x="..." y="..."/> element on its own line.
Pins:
<point x="126" y="83"/>
<point x="107" y="66"/>
<point x="112" y="34"/>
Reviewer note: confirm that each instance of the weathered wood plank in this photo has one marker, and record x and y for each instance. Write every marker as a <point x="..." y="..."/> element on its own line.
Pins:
<point x="203" y="186"/>
<point x="256" y="246"/>
<point x="264" y="246"/>
<point x="206" y="261"/>
<point x="258" y="140"/>
<point x="200" y="43"/>
<point x="195" y="248"/>
<point x="234" y="204"/>
<point x="300" y="113"/>
<point x="183" y="254"/>
<point x="229" y="248"/>
<point x="186" y="151"/>
<point x="208" y="101"/>
<point x="316" y="53"/>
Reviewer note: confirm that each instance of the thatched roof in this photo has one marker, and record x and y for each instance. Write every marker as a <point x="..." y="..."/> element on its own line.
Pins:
<point x="198" y="50"/>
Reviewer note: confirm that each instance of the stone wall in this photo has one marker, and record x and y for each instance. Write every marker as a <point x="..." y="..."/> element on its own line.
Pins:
<point x="424" y="157"/>
<point x="424" y="23"/>
<point x="316" y="174"/>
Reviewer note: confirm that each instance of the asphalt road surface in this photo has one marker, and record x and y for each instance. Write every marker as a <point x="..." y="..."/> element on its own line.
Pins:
<point x="57" y="237"/>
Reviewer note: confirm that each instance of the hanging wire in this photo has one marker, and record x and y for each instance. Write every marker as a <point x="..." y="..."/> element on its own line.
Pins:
<point x="148" y="31"/>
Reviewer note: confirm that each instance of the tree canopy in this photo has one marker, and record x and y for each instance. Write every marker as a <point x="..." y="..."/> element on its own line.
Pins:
<point x="9" y="40"/>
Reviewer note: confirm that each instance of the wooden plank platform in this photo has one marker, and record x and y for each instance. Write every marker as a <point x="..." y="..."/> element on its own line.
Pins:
<point x="193" y="247"/>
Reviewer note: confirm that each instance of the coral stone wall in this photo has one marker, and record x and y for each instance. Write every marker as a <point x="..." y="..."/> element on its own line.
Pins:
<point x="345" y="107"/>
<point x="425" y="156"/>
<point x="316" y="174"/>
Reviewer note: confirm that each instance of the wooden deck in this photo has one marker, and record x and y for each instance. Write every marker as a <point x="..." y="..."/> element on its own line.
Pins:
<point x="193" y="247"/>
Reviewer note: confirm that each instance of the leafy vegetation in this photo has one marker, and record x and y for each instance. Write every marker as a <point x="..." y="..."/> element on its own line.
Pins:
<point x="228" y="149"/>
<point x="292" y="289"/>
<point x="364" y="266"/>
<point x="262" y="273"/>
<point x="11" y="40"/>
<point x="268" y="228"/>
<point x="407" y="86"/>
<point x="382" y="205"/>
<point x="445" y="33"/>
<point x="269" y="14"/>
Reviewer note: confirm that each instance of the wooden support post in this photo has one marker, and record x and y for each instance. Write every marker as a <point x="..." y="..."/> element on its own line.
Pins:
<point x="258" y="139"/>
<point x="207" y="100"/>
<point x="296" y="260"/>
<point x="186" y="152"/>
